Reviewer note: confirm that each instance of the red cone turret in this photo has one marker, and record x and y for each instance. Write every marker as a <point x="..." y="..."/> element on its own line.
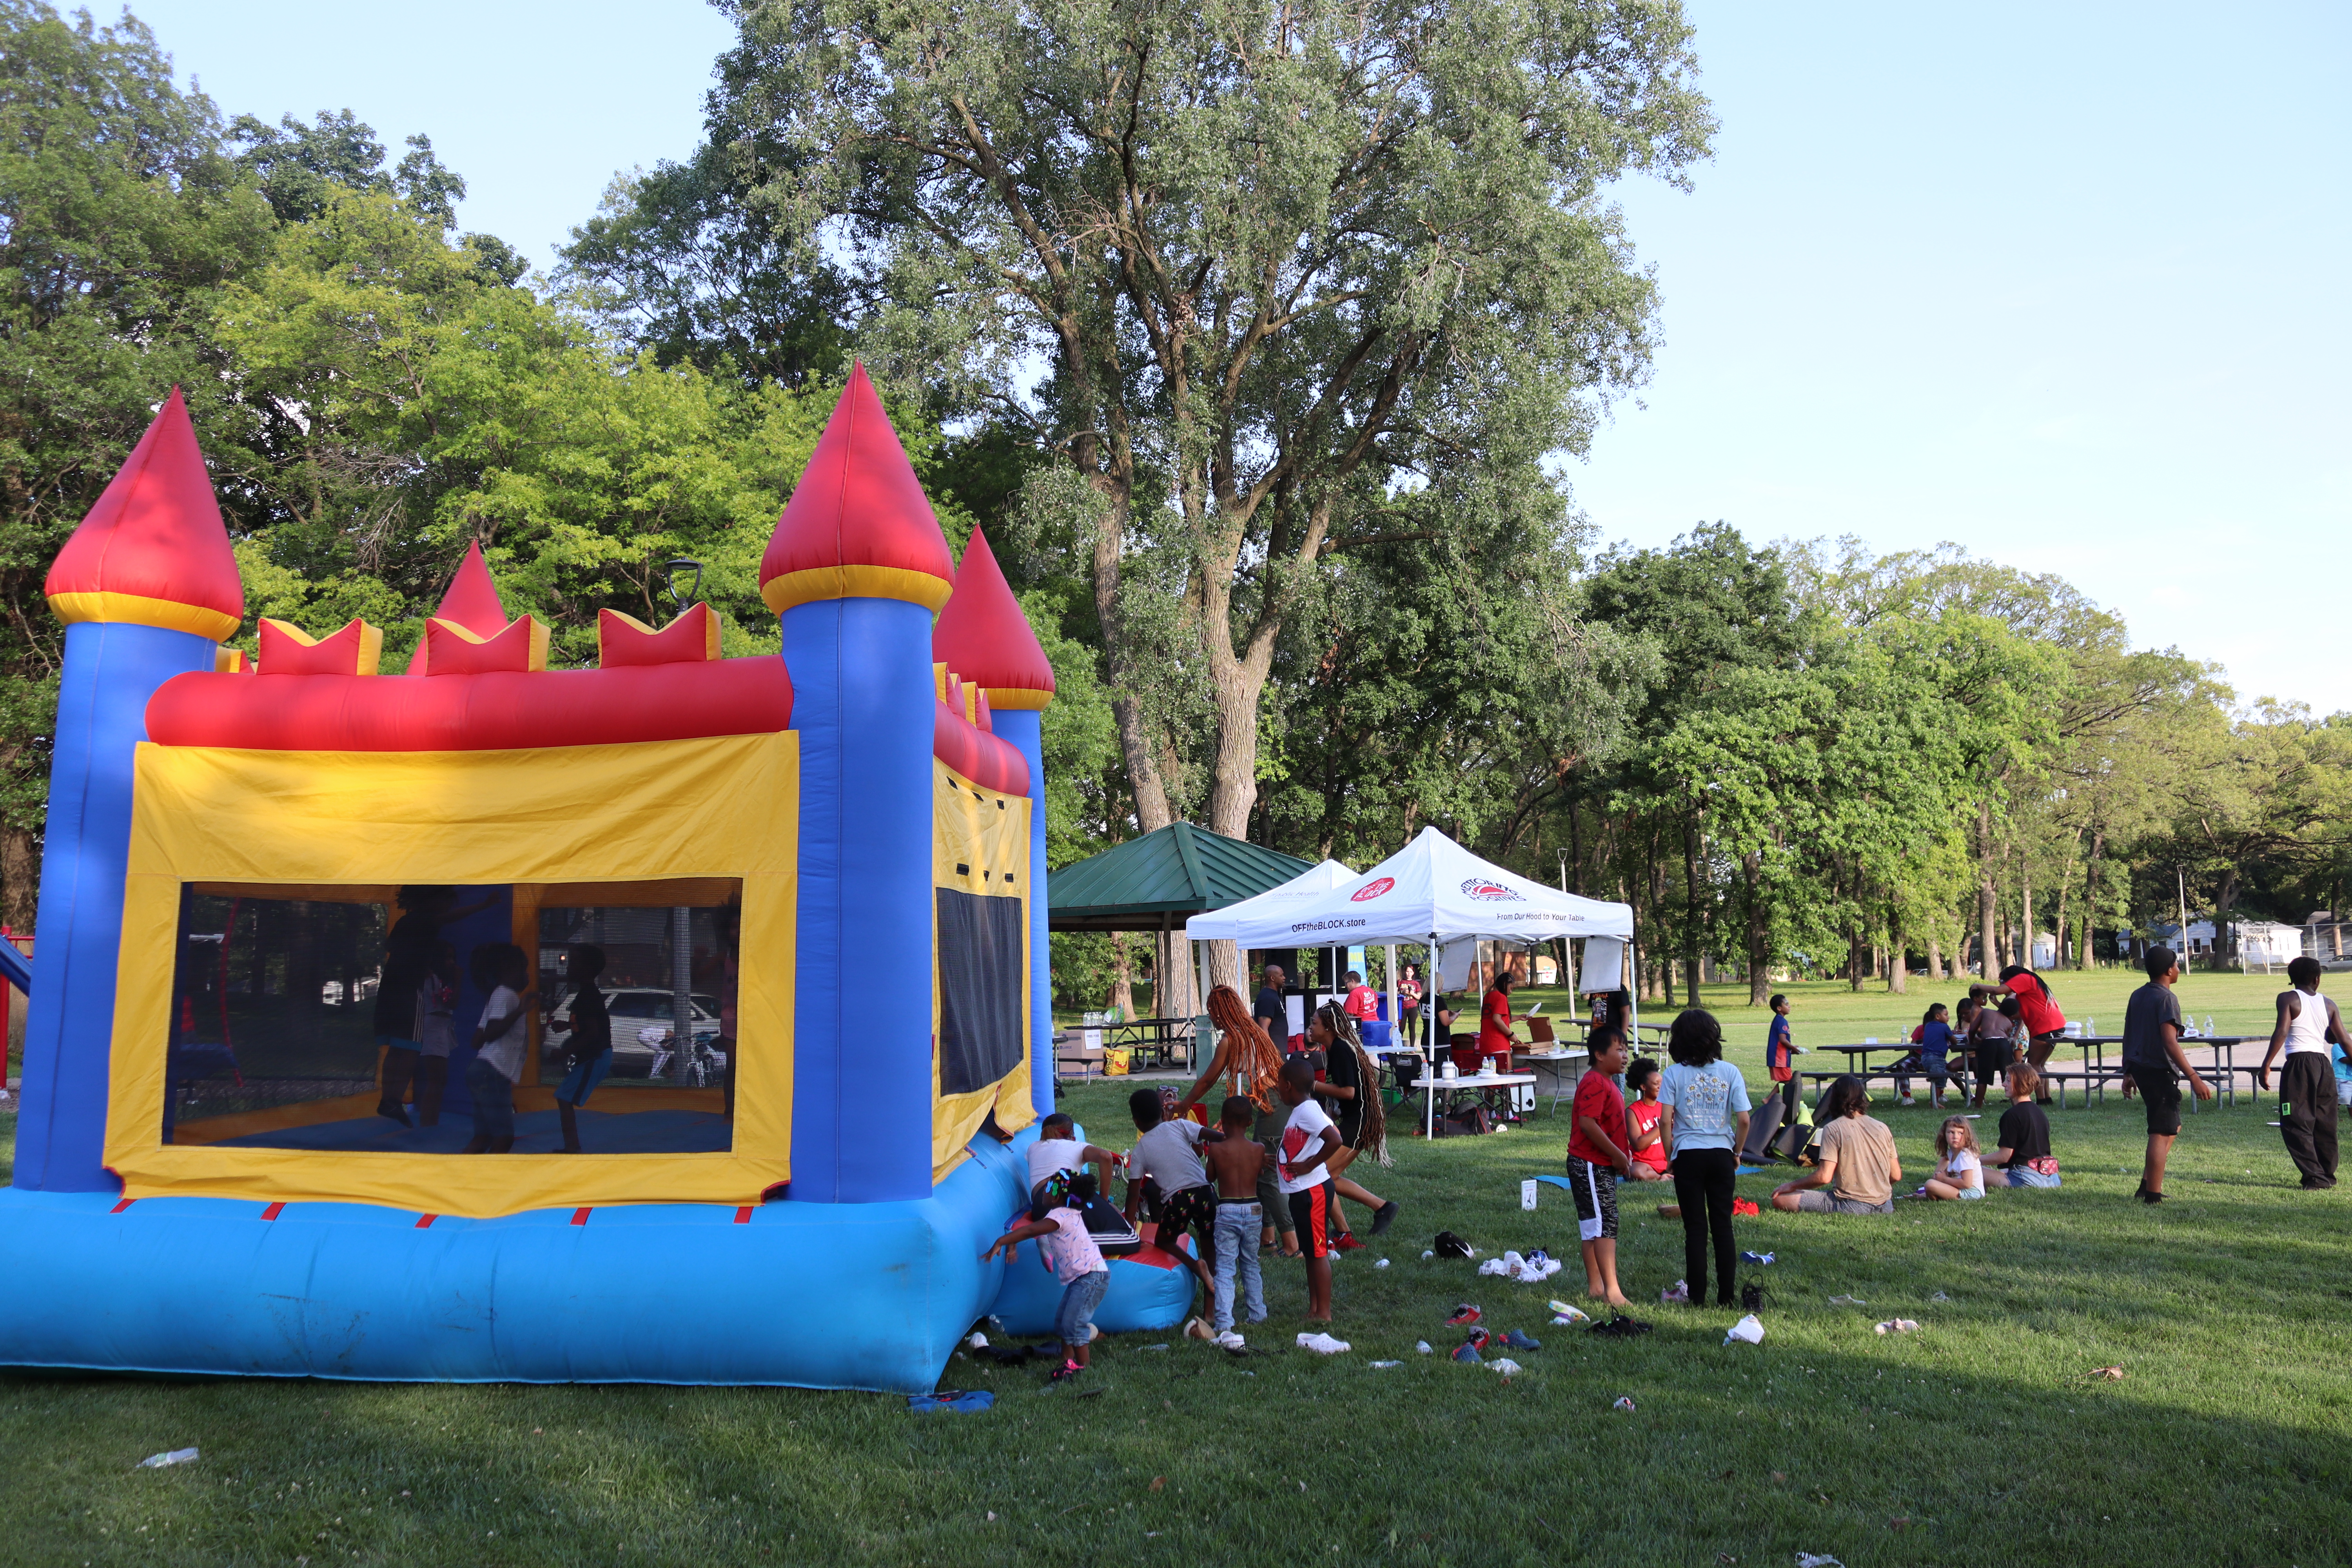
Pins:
<point x="983" y="636"/>
<point x="153" y="551"/>
<point x="858" y="525"/>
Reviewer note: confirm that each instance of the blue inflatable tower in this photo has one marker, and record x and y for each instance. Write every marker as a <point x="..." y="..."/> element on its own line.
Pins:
<point x="147" y="587"/>
<point x="983" y="637"/>
<point x="856" y="569"/>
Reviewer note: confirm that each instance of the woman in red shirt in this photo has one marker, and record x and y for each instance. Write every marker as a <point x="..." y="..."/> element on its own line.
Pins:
<point x="2043" y="1022"/>
<point x="1495" y="1024"/>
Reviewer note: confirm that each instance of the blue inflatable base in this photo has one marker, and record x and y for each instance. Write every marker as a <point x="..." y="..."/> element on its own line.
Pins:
<point x="849" y="1296"/>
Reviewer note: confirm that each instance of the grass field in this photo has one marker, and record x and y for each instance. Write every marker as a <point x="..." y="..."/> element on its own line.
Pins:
<point x="1980" y="1439"/>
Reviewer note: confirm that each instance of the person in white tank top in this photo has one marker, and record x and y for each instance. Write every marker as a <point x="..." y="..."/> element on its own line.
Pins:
<point x="2308" y="1024"/>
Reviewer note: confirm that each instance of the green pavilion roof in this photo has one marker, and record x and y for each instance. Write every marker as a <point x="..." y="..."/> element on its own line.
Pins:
<point x="1162" y="877"/>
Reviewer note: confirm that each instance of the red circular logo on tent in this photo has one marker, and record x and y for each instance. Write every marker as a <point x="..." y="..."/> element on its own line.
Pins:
<point x="1491" y="891"/>
<point x="1372" y="890"/>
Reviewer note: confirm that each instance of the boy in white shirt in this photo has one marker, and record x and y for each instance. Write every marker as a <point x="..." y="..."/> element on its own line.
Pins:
<point x="500" y="1040"/>
<point x="1056" y="1150"/>
<point x="1308" y="1139"/>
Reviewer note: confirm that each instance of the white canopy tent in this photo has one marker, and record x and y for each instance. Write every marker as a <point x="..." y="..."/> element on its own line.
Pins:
<point x="1433" y="891"/>
<point x="1217" y="925"/>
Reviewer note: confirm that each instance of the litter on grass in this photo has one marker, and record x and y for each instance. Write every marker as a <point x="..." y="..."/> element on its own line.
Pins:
<point x="1750" y="1330"/>
<point x="1624" y="1403"/>
<point x="1566" y="1312"/>
<point x="1848" y="1301"/>
<point x="1761" y="1259"/>
<point x="1384" y="1365"/>
<point x="1507" y="1366"/>
<point x="1379" y="1263"/>
<point x="978" y="1341"/>
<point x="175" y="1457"/>
<point x="930" y="1404"/>
<point x="1939" y="1296"/>
<point x="1422" y="1346"/>
<point x="1898" y="1326"/>
<point x="1807" y="1559"/>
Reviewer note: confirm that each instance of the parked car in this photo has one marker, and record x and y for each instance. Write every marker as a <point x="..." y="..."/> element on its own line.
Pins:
<point x="643" y="1021"/>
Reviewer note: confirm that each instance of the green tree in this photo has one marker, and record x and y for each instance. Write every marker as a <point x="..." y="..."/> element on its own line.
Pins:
<point x="1279" y="262"/>
<point x="120" y="219"/>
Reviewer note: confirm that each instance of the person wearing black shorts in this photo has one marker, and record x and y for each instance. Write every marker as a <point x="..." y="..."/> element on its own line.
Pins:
<point x="2154" y="1062"/>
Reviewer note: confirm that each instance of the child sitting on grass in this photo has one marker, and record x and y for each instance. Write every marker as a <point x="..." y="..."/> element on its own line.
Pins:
<point x="1959" y="1163"/>
<point x="1078" y="1268"/>
<point x="1236" y="1162"/>
<point x="1645" y="1122"/>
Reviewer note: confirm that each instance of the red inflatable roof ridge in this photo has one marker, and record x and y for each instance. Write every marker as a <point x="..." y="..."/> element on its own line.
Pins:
<point x="858" y="525"/>
<point x="472" y="601"/>
<point x="983" y="635"/>
<point x="152" y="550"/>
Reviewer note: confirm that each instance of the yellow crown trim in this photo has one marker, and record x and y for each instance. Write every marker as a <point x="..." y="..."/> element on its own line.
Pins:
<point x="137" y="610"/>
<point x="855" y="582"/>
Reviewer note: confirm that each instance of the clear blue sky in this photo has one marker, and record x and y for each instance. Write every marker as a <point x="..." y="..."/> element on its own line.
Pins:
<point x="2064" y="283"/>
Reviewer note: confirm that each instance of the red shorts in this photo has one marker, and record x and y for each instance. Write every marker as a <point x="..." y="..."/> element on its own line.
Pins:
<point x="1311" y="1216"/>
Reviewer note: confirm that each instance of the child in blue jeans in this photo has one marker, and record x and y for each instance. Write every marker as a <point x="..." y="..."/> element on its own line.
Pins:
<point x="1078" y="1267"/>
<point x="1236" y="1162"/>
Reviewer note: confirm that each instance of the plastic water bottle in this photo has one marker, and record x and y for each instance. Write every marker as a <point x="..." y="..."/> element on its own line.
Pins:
<point x="2208" y="1026"/>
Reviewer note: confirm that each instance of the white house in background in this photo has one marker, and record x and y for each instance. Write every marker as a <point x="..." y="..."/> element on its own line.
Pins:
<point x="2268" y="941"/>
<point x="2045" y="950"/>
<point x="2168" y="934"/>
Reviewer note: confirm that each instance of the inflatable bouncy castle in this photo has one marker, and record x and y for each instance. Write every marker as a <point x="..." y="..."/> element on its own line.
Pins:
<point x="265" y="1128"/>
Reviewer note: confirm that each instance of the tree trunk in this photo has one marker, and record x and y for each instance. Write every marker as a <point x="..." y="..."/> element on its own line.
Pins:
<point x="1854" y="958"/>
<point x="2025" y="901"/>
<point x="1987" y="899"/>
<point x="2085" y="956"/>
<point x="1935" y="958"/>
<point x="1690" y="909"/>
<point x="1759" y="961"/>
<point x="1898" y="966"/>
<point x="20" y="880"/>
<point x="1665" y="967"/>
<point x="1122" y="977"/>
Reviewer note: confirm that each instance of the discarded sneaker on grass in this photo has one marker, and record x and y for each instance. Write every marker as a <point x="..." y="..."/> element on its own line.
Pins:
<point x="1230" y="1341"/>
<point x="1198" y="1329"/>
<point x="1567" y="1313"/>
<point x="1468" y="1354"/>
<point x="1761" y="1259"/>
<point x="1619" y="1327"/>
<point x="1521" y="1341"/>
<point x="1464" y="1313"/>
<point x="1322" y="1344"/>
<point x="1448" y="1245"/>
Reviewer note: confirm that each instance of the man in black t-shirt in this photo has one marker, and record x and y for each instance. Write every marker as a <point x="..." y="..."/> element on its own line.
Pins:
<point x="1270" y="1010"/>
<point x="2154" y="1062"/>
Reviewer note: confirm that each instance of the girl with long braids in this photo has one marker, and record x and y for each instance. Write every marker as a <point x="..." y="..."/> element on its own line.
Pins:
<point x="1352" y="1085"/>
<point x="1246" y="1060"/>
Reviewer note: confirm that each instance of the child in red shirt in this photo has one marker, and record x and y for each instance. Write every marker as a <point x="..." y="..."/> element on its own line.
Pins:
<point x="1596" y="1158"/>
<point x="1363" y="1003"/>
<point x="1646" y="1120"/>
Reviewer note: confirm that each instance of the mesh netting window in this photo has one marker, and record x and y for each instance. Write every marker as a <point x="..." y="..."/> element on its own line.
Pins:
<point x="409" y="1020"/>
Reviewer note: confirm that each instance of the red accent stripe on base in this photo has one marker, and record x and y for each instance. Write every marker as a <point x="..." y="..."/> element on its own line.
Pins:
<point x="743" y="1215"/>
<point x="124" y="1205"/>
<point x="273" y="1211"/>
<point x="580" y="1217"/>
<point x="424" y="1221"/>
